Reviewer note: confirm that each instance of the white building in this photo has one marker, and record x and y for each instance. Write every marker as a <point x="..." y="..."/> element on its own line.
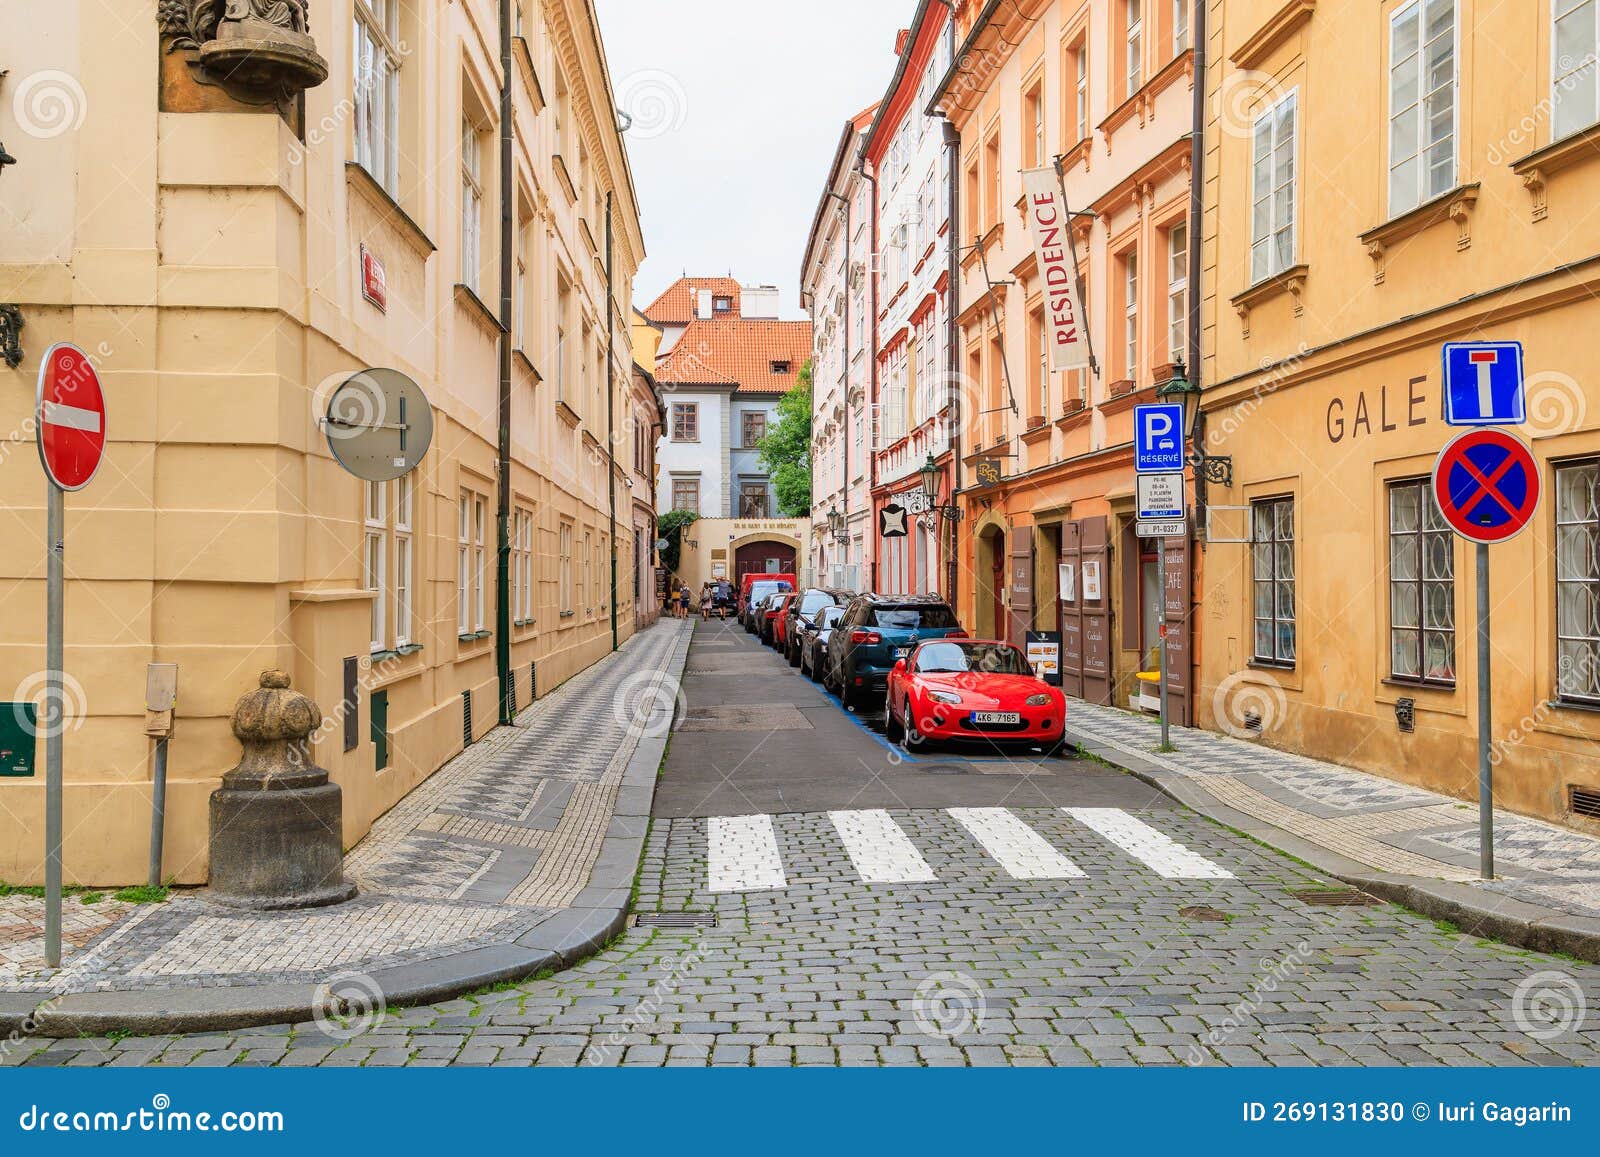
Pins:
<point x="834" y="289"/>
<point x="724" y="362"/>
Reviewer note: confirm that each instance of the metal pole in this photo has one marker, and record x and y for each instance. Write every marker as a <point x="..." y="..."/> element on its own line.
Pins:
<point x="54" y="718"/>
<point x="1161" y="634"/>
<point x="158" y="811"/>
<point x="1485" y="768"/>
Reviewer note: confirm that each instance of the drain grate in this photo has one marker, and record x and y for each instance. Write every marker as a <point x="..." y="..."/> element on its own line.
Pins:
<point x="941" y="769"/>
<point x="1335" y="897"/>
<point x="1201" y="912"/>
<point x="675" y="919"/>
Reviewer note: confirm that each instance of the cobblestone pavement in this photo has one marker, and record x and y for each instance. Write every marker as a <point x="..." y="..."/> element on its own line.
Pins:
<point x="1118" y="966"/>
<point x="487" y="848"/>
<point x="1391" y="826"/>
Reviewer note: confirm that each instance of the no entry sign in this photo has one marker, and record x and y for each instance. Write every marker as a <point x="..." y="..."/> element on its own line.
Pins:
<point x="71" y="417"/>
<point x="1486" y="483"/>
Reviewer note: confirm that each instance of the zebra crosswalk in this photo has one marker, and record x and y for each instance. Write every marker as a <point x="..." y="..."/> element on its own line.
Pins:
<point x="743" y="851"/>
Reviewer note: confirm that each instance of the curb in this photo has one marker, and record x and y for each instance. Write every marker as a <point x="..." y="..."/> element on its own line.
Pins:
<point x="566" y="938"/>
<point x="1506" y="919"/>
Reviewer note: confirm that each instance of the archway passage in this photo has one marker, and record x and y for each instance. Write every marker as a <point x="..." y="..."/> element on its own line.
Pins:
<point x="990" y="565"/>
<point x="765" y="556"/>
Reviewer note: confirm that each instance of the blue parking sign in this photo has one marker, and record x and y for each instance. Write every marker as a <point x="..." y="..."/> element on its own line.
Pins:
<point x="1158" y="438"/>
<point x="1483" y="383"/>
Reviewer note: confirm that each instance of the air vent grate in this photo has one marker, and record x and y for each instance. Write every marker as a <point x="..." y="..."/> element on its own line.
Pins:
<point x="1335" y="898"/>
<point x="676" y="919"/>
<point x="1583" y="801"/>
<point x="1252" y="722"/>
<point x="466" y="719"/>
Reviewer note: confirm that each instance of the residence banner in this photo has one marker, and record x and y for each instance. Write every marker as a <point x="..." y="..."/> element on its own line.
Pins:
<point x="1049" y="225"/>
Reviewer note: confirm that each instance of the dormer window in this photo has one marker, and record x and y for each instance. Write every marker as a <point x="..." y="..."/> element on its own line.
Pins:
<point x="722" y="304"/>
<point x="782" y="366"/>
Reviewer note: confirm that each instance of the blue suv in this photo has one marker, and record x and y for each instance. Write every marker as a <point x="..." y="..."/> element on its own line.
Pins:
<point x="875" y="631"/>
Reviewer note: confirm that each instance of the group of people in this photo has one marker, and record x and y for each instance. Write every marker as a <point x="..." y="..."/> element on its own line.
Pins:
<point x="713" y="594"/>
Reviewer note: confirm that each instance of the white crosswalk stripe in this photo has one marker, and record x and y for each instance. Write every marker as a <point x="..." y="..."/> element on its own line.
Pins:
<point x="743" y="854"/>
<point x="1141" y="841"/>
<point x="1020" y="850"/>
<point x="881" y="852"/>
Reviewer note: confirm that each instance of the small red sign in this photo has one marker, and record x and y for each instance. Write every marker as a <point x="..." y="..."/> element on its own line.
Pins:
<point x="374" y="285"/>
<point x="1486" y="483"/>
<point x="71" y="416"/>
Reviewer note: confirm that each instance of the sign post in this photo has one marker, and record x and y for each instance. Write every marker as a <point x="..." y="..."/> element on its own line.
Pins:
<point x="1158" y="461"/>
<point x="70" y="416"/>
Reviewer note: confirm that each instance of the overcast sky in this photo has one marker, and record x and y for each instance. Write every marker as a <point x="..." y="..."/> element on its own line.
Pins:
<point x="737" y="107"/>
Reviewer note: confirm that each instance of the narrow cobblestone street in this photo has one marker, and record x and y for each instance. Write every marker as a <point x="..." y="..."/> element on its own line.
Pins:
<point x="1187" y="945"/>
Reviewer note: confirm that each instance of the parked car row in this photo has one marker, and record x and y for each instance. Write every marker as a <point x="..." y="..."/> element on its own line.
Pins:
<point x="910" y="654"/>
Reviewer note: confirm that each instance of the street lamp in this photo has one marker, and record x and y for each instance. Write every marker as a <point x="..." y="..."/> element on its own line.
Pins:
<point x="950" y="512"/>
<point x="836" y="525"/>
<point x="1178" y="388"/>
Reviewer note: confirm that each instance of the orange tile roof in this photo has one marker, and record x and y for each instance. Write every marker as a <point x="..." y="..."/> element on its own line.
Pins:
<point x="738" y="351"/>
<point x="676" y="305"/>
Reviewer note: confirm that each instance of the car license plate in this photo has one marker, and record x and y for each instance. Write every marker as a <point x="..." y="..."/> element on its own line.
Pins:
<point x="996" y="717"/>
<point x="901" y="652"/>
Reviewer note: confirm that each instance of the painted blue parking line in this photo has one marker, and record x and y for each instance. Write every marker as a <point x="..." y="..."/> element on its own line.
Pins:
<point x="859" y="722"/>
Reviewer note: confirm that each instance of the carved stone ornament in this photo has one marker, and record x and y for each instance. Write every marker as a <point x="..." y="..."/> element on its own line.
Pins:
<point x="260" y="51"/>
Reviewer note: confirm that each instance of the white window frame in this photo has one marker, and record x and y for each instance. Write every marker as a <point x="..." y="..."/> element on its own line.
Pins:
<point x="1561" y="90"/>
<point x="374" y="556"/>
<point x="1268" y="119"/>
<point x="1036" y="320"/>
<point x="1180" y="27"/>
<point x="1130" y="311"/>
<point x="1082" y="64"/>
<point x="471" y="206"/>
<point x="375" y="83"/>
<point x="404" y="559"/>
<point x="1422" y="192"/>
<point x="464" y="564"/>
<point x="1576" y="649"/>
<point x="1135" y="46"/>
<point x="479" y="521"/>
<point x="588" y="572"/>
<point x="564" y="557"/>
<point x="1178" y="291"/>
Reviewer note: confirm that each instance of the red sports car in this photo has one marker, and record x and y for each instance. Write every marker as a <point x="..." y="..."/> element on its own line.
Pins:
<point x="772" y="620"/>
<point x="973" y="689"/>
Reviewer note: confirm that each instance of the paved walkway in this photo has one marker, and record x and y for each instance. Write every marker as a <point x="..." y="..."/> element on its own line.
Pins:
<point x="522" y="849"/>
<point x="1544" y="874"/>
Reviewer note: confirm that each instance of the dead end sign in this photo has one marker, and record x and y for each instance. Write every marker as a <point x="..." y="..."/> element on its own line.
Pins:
<point x="71" y="417"/>
<point x="1486" y="483"/>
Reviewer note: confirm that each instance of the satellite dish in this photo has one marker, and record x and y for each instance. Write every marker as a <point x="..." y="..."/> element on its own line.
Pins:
<point x="379" y="424"/>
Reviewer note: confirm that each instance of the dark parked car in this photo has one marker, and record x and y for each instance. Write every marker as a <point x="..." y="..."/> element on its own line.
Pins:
<point x="814" y="641"/>
<point x="803" y="611"/>
<point x="759" y="590"/>
<point x="876" y="631"/>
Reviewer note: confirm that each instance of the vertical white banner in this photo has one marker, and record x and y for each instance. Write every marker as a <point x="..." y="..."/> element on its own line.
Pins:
<point x="1048" y="222"/>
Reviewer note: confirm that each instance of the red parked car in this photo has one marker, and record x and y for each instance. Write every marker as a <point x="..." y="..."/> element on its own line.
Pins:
<point x="771" y="625"/>
<point x="973" y="690"/>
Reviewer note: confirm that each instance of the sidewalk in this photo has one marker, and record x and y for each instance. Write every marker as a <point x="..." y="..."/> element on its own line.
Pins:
<point x="517" y="856"/>
<point x="1405" y="844"/>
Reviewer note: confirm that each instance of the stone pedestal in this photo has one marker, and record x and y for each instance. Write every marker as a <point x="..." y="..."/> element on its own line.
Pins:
<point x="276" y="821"/>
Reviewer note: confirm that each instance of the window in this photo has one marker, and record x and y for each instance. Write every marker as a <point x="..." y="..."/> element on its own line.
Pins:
<point x="1578" y="582"/>
<point x="1273" y="190"/>
<point x="581" y="356"/>
<point x="782" y="366"/>
<point x="1422" y="587"/>
<point x="752" y="500"/>
<point x="376" y="78"/>
<point x="469" y="563"/>
<point x="1081" y="91"/>
<point x="991" y="181"/>
<point x="588" y="573"/>
<point x="1033" y="121"/>
<point x="1272" y="569"/>
<point x="1135" y="37"/>
<point x="722" y="304"/>
<point x="471" y="205"/>
<point x="403" y="559"/>
<point x="563" y="320"/>
<point x="1177" y="292"/>
<point x="755" y="428"/>
<point x="686" y="421"/>
<point x="1574" y="95"/>
<point x="375" y="549"/>
<point x="686" y="494"/>
<point x="522" y="567"/>
<point x="1041" y="356"/>
<point x="1130" y="313"/>
<point x="565" y="560"/>
<point x="1422" y="103"/>
<point x="1180" y="27"/>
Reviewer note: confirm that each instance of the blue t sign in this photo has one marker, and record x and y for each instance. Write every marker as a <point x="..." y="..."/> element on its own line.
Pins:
<point x="1483" y="384"/>
<point x="1158" y="438"/>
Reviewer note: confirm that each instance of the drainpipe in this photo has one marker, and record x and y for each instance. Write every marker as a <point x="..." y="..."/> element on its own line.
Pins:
<point x="502" y="602"/>
<point x="845" y="201"/>
<point x="872" y="357"/>
<point x="952" y="140"/>
<point x="1196" y="208"/>
<point x="611" y="418"/>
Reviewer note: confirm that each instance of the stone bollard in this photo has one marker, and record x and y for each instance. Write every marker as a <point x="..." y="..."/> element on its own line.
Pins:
<point x="276" y="821"/>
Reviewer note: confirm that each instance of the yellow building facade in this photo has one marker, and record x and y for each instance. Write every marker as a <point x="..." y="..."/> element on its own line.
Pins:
<point x="227" y="262"/>
<point x="1381" y="179"/>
